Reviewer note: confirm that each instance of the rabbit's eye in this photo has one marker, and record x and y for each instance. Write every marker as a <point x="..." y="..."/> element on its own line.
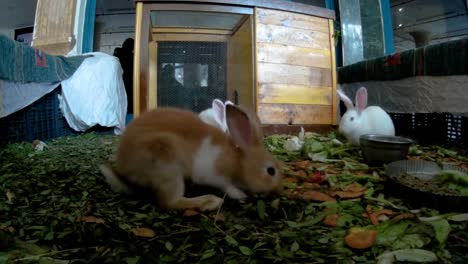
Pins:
<point x="271" y="171"/>
<point x="351" y="118"/>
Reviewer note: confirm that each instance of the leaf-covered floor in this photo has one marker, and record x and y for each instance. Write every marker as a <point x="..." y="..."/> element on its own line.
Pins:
<point x="56" y="208"/>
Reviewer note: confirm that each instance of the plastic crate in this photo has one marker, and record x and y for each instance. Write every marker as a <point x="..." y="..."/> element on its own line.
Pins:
<point x="432" y="128"/>
<point x="42" y="120"/>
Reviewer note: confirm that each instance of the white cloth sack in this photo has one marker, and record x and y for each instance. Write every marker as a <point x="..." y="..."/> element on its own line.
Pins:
<point x="95" y="94"/>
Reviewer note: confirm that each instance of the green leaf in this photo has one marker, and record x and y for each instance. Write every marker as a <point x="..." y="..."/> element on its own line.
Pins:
<point x="292" y="224"/>
<point x="231" y="240"/>
<point x="45" y="192"/>
<point x="133" y="260"/>
<point x="168" y="246"/>
<point x="442" y="229"/>
<point x="294" y="246"/>
<point x="208" y="254"/>
<point x="49" y="236"/>
<point x="261" y="209"/>
<point x="408" y="255"/>
<point x="245" y="250"/>
<point x="239" y="227"/>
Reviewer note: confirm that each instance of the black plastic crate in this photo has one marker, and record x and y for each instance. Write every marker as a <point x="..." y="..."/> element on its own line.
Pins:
<point x="432" y="128"/>
<point x="42" y="120"/>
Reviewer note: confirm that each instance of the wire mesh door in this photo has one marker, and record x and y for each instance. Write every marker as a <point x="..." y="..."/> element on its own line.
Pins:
<point x="191" y="74"/>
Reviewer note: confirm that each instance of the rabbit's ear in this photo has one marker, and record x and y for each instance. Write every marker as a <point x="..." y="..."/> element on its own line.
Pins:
<point x="361" y="99"/>
<point x="348" y="103"/>
<point x="240" y="127"/>
<point x="218" y="111"/>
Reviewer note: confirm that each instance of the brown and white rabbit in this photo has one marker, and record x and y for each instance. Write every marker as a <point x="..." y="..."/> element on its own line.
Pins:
<point x="162" y="147"/>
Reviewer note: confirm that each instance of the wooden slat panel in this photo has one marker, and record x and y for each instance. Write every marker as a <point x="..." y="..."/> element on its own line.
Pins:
<point x="274" y="53"/>
<point x="273" y="4"/>
<point x="188" y="37"/>
<point x="55" y="21"/>
<point x="141" y="60"/>
<point x="294" y="75"/>
<point x="153" y="75"/>
<point x="292" y="20"/>
<point x="294" y="114"/>
<point x="336" y="103"/>
<point x="240" y="65"/>
<point x="191" y="31"/>
<point x="292" y="36"/>
<point x="294" y="94"/>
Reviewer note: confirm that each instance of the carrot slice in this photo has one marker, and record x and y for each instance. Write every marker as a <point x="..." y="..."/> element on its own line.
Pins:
<point x="345" y="195"/>
<point x="331" y="220"/>
<point x="304" y="164"/>
<point x="316" y="196"/>
<point x="360" y="238"/>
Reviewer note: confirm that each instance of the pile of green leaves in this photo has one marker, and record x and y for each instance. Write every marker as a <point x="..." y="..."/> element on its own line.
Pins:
<point x="57" y="208"/>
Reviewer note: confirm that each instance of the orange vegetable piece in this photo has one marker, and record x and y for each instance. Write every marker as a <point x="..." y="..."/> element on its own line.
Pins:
<point x="360" y="238"/>
<point x="304" y="164"/>
<point x="302" y="174"/>
<point x="317" y="196"/>
<point x="310" y="185"/>
<point x="354" y="188"/>
<point x="331" y="220"/>
<point x="345" y="195"/>
<point x="402" y="216"/>
<point x="289" y="180"/>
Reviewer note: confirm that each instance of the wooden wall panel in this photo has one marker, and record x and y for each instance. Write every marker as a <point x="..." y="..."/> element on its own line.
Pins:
<point x="293" y="37"/>
<point x="295" y="75"/>
<point x="295" y="68"/>
<point x="294" y="94"/>
<point x="284" y="54"/>
<point x="240" y="75"/>
<point x="294" y="114"/>
<point x="292" y="20"/>
<point x="54" y="25"/>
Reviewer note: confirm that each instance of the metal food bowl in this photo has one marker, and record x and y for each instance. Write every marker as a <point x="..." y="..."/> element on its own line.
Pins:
<point x="380" y="149"/>
<point x="427" y="192"/>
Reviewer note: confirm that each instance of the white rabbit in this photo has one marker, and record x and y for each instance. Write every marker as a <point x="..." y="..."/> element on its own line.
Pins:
<point x="216" y="115"/>
<point x="361" y="120"/>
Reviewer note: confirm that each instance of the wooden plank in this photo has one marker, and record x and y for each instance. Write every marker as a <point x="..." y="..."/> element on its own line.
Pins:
<point x="255" y="56"/>
<point x="292" y="36"/>
<point x="240" y="71"/>
<point x="54" y="26"/>
<point x="272" y="4"/>
<point x="187" y="6"/>
<point x="189" y="37"/>
<point x="153" y="75"/>
<point x="295" y="129"/>
<point x="336" y="102"/>
<point x="140" y="71"/>
<point x="293" y="75"/>
<point x="278" y="114"/>
<point x="294" y="94"/>
<point x="292" y="20"/>
<point x="191" y="30"/>
<point x="284" y="54"/>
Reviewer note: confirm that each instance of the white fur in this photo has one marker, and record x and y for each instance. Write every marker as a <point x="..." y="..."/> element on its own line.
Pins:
<point x="207" y="116"/>
<point x="216" y="116"/>
<point x="204" y="170"/>
<point x="114" y="182"/>
<point x="361" y="120"/>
